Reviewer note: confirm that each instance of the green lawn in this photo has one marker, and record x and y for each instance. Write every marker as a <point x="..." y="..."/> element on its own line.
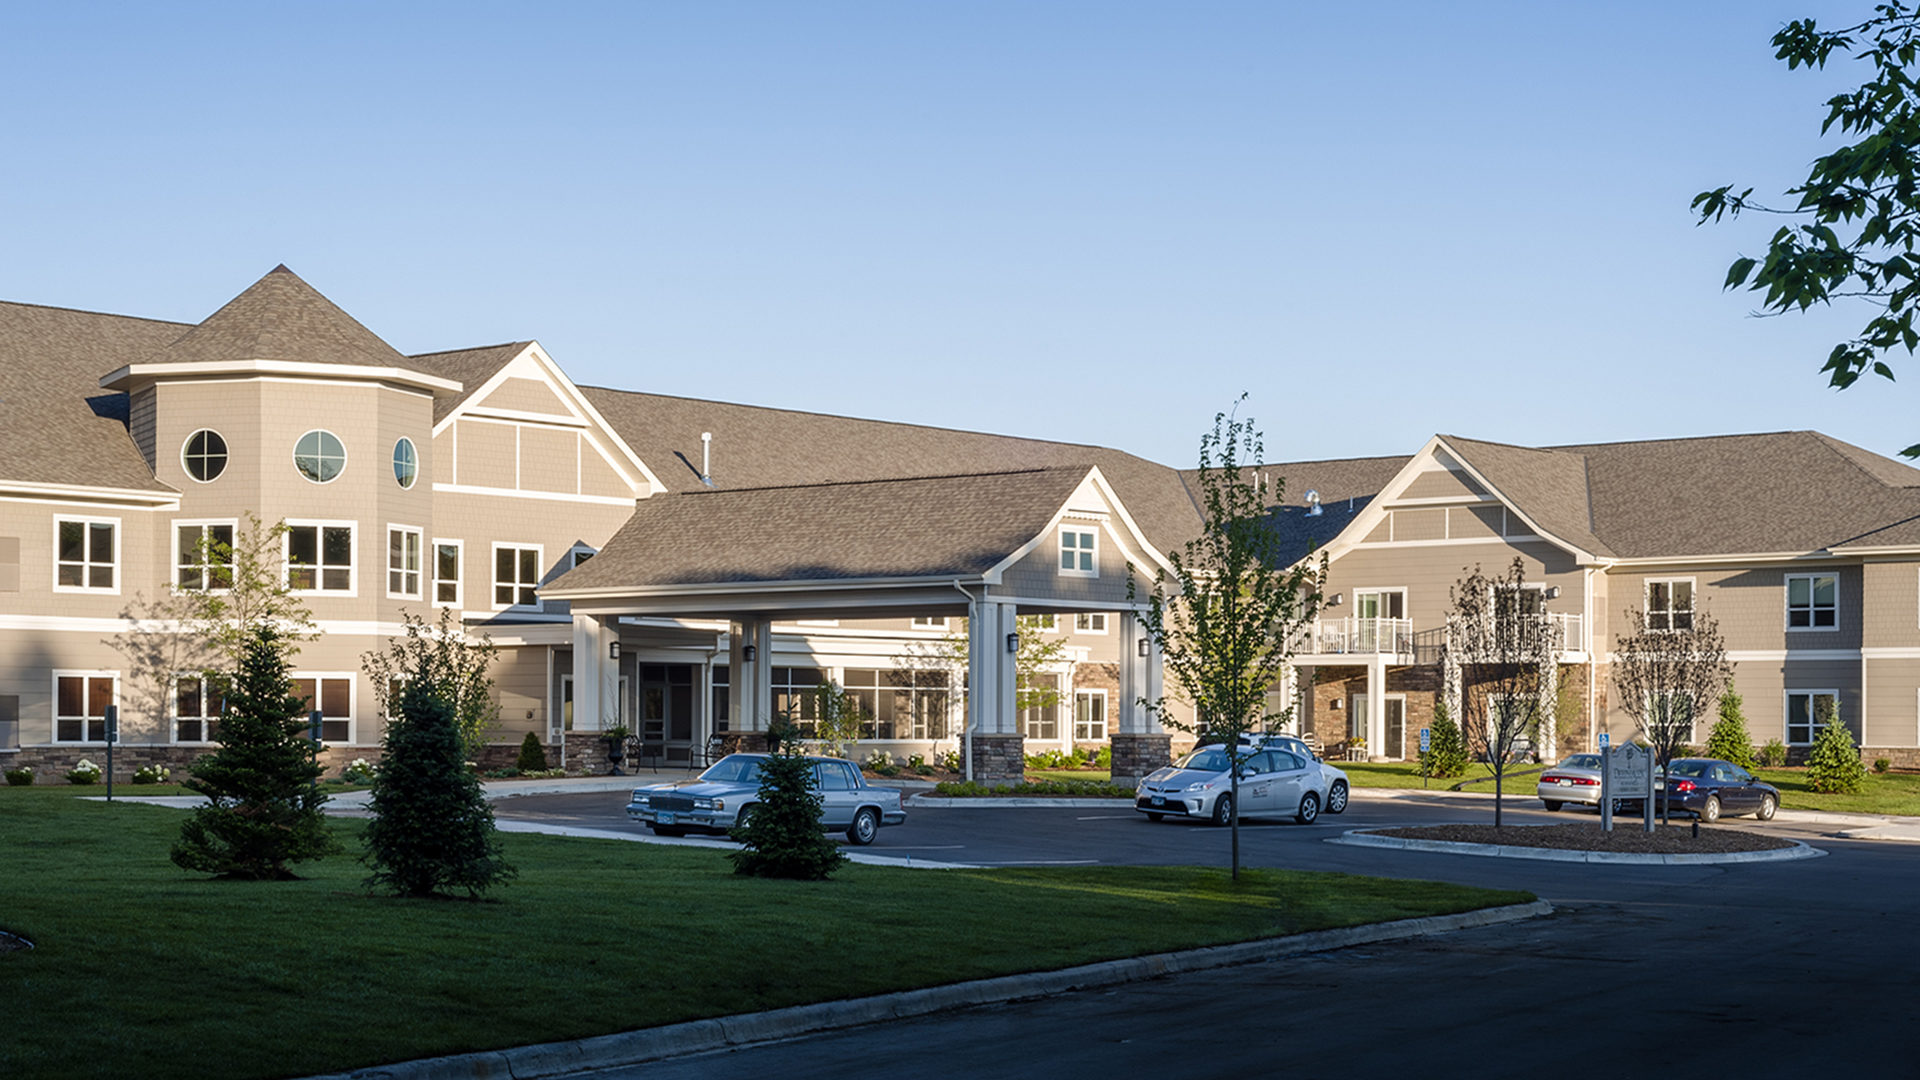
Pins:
<point x="1098" y="776"/>
<point x="144" y="970"/>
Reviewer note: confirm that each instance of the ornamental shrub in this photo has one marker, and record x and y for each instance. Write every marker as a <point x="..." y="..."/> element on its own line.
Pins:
<point x="151" y="774"/>
<point x="432" y="829"/>
<point x="20" y="777"/>
<point x="1773" y="755"/>
<point x="1881" y="765"/>
<point x="1729" y="740"/>
<point x="533" y="756"/>
<point x="782" y="837"/>
<point x="86" y="772"/>
<point x="1446" y="756"/>
<point x="1833" y="765"/>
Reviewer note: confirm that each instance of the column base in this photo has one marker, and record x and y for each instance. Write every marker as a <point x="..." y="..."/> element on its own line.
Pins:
<point x="999" y="759"/>
<point x="744" y="742"/>
<point x="1135" y="754"/>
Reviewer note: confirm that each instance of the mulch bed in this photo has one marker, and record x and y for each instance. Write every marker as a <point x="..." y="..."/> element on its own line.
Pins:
<point x="1587" y="836"/>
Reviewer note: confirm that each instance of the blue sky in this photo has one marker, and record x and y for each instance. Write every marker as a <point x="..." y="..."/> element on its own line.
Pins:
<point x="1094" y="222"/>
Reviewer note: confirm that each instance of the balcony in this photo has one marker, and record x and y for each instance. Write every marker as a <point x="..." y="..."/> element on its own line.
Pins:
<point x="1357" y="636"/>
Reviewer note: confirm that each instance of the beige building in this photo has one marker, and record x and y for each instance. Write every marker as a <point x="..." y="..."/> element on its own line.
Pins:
<point x="690" y="568"/>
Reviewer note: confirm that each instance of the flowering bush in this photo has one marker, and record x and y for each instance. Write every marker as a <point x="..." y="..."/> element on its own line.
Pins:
<point x="20" y="777"/>
<point x="84" y="773"/>
<point x="358" y="771"/>
<point x="151" y="774"/>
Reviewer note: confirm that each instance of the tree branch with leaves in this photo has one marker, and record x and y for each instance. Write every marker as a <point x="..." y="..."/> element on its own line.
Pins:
<point x="1668" y="677"/>
<point x="1502" y="648"/>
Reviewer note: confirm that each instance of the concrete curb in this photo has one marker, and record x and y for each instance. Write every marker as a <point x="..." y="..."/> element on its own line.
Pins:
<point x="675" y="1040"/>
<point x="938" y="802"/>
<point x="1361" y="838"/>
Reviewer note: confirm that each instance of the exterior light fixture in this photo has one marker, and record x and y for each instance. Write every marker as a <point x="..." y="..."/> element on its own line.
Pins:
<point x="1336" y="599"/>
<point x="1013" y="643"/>
<point x="1146" y="648"/>
<point x="613" y="651"/>
<point x="749" y="653"/>
<point x="1553" y="592"/>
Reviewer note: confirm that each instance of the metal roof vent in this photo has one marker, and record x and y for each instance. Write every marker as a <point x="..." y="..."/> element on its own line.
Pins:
<point x="706" y="458"/>
<point x="1313" y="502"/>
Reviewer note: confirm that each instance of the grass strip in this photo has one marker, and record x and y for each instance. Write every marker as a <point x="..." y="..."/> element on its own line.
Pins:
<point x="143" y="970"/>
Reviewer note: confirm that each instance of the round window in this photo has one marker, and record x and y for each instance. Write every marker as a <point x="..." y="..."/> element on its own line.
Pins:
<point x="406" y="462"/>
<point x="319" y="456"/>
<point x="205" y="455"/>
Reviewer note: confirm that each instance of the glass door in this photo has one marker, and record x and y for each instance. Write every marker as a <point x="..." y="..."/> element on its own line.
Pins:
<point x="1376" y="613"/>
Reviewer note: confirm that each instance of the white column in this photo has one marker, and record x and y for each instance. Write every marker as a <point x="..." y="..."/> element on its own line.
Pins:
<point x="596" y="677"/>
<point x="1290" y="698"/>
<point x="1376" y="705"/>
<point x="750" y="690"/>
<point x="762" y="671"/>
<point x="1131" y="719"/>
<point x="991" y="668"/>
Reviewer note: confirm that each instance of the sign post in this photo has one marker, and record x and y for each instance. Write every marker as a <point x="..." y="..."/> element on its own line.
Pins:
<point x="1426" y="744"/>
<point x="1626" y="772"/>
<point x="113" y="736"/>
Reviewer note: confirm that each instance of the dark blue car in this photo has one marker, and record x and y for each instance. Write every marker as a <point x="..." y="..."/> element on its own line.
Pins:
<point x="1709" y="788"/>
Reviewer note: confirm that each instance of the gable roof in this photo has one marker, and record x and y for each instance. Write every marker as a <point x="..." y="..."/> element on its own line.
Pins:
<point x="756" y="447"/>
<point x="1548" y="487"/>
<point x="921" y="527"/>
<point x="471" y="368"/>
<point x="57" y="427"/>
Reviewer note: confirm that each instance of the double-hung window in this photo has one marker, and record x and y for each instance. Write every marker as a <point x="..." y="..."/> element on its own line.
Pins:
<point x="332" y="695"/>
<point x="80" y="700"/>
<point x="1806" y="711"/>
<point x="1670" y="604"/>
<point x="86" y="554"/>
<point x="197" y="701"/>
<point x="516" y="576"/>
<point x="403" y="562"/>
<point x="202" y="555"/>
<point x="1089" y="716"/>
<point x="320" y="557"/>
<point x="1079" y="552"/>
<point x="446" y="572"/>
<point x="929" y="622"/>
<point x="1094" y="622"/>
<point x="1813" y="601"/>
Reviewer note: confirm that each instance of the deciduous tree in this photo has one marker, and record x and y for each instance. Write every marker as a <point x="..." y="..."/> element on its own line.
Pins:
<point x="1665" y="675"/>
<point x="1499" y="658"/>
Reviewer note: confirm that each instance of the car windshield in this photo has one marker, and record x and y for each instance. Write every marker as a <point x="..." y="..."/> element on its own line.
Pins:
<point x="1581" y="761"/>
<point x="733" y="770"/>
<point x="1687" y="768"/>
<point x="1211" y="759"/>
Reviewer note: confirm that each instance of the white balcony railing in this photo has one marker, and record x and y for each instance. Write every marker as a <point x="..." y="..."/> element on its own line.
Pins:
<point x="1396" y="636"/>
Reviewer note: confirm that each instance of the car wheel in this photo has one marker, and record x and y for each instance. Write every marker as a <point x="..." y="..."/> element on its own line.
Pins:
<point x="1710" y="810"/>
<point x="1223" y="810"/>
<point x="1552" y="805"/>
<point x="667" y="830"/>
<point x="1767" y="807"/>
<point x="740" y="820"/>
<point x="1337" y="799"/>
<point x="866" y="826"/>
<point x="1155" y="817"/>
<point x="1309" y="809"/>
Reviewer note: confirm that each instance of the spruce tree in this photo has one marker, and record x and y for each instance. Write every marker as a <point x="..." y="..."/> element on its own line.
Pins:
<point x="781" y="837"/>
<point x="533" y="756"/>
<point x="1729" y="740"/>
<point x="432" y="829"/>
<point x="262" y="811"/>
<point x="1446" y="755"/>
<point x="1833" y="766"/>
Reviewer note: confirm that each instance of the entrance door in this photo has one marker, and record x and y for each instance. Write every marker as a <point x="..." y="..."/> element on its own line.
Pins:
<point x="1393" y="739"/>
<point x="666" y="711"/>
<point x="1376" y="614"/>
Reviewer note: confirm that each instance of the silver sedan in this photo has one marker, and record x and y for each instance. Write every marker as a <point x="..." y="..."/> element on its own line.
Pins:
<point x="1575" y="780"/>
<point x="723" y="797"/>
<point x="1273" y="783"/>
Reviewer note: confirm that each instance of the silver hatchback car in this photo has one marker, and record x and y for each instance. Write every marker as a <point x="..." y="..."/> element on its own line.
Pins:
<point x="723" y="797"/>
<point x="1273" y="783"/>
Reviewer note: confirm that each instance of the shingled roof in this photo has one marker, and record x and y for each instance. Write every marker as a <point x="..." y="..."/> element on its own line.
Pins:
<point x="754" y="446"/>
<point x="280" y="317"/>
<point x="945" y="526"/>
<point x="56" y="425"/>
<point x="471" y="368"/>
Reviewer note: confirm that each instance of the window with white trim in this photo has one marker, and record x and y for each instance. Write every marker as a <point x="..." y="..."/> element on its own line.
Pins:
<point x="320" y="557"/>
<point x="1813" y="601"/>
<point x="1079" y="552"/>
<point x="1806" y="711"/>
<point x="929" y="622"/>
<point x="1090" y="622"/>
<point x="202" y="555"/>
<point x="80" y="700"/>
<point x="577" y="556"/>
<point x="516" y="576"/>
<point x="332" y="694"/>
<point x="1669" y="603"/>
<point x="1670" y="713"/>
<point x="86" y="554"/>
<point x="446" y="572"/>
<point x="403" y="562"/>
<point x="1089" y="716"/>
<point x="197" y="703"/>
<point x="1045" y="623"/>
<point x="1041" y="719"/>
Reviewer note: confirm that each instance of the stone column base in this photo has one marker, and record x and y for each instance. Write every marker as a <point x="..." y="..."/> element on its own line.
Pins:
<point x="744" y="742"/>
<point x="999" y="759"/>
<point x="1135" y="754"/>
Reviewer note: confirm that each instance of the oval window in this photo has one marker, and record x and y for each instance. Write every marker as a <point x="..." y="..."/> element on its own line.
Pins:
<point x="406" y="462"/>
<point x="319" y="456"/>
<point x="205" y="455"/>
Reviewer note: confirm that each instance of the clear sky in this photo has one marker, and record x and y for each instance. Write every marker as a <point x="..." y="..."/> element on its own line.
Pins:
<point x="1095" y="222"/>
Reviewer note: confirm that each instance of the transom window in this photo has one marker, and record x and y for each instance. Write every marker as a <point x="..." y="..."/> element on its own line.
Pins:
<point x="197" y="703"/>
<point x="403" y="562"/>
<point x="203" y="556"/>
<point x="406" y="463"/>
<point x="205" y="455"/>
<point x="1090" y="622"/>
<point x="1813" y="601"/>
<point x="320" y="456"/>
<point x="333" y="696"/>
<point x="86" y="554"/>
<point x="929" y="622"/>
<point x="446" y="572"/>
<point x="1670" y="604"/>
<point x="1079" y="550"/>
<point x="516" y="576"/>
<point x="80" y="703"/>
<point x="320" y="558"/>
<point x="1807" y="710"/>
<point x="1089" y="716"/>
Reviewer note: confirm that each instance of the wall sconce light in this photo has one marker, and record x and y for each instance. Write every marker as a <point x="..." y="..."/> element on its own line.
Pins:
<point x="613" y="651"/>
<point x="1334" y="704"/>
<point x="1146" y="648"/>
<point x="1553" y="592"/>
<point x="749" y="653"/>
<point x="1013" y="643"/>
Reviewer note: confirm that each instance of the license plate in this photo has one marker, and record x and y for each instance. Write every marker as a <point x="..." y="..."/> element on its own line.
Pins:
<point x="664" y="818"/>
<point x="1159" y="799"/>
<point x="1564" y="783"/>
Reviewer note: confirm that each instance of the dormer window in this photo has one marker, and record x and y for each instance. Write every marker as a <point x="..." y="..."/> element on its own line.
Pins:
<point x="1079" y="552"/>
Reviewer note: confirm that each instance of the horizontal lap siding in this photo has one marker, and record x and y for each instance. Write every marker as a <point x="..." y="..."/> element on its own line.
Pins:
<point x="1891" y="593"/>
<point x="525" y="395"/>
<point x="1892" y="692"/>
<point x="520" y="686"/>
<point x="1429" y="573"/>
<point x="1038" y="575"/>
<point x="487" y="454"/>
<point x="1750" y="604"/>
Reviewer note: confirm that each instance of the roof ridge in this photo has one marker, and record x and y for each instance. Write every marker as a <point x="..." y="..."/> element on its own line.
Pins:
<point x="1833" y="445"/>
<point x="889" y="480"/>
<point x="471" y="348"/>
<point x="90" y="311"/>
<point x="1681" y="439"/>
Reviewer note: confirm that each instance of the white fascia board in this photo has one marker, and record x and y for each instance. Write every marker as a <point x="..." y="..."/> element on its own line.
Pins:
<point x="1884" y="549"/>
<point x="1133" y="541"/>
<point x="1744" y="558"/>
<point x="732" y="588"/>
<point x="31" y="491"/>
<point x="139" y="374"/>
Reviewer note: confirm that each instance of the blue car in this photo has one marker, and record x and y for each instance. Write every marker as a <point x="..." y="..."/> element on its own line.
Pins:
<point x="1710" y="788"/>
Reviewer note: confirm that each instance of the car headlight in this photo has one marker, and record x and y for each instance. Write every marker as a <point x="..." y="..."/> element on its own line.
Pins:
<point x="641" y="800"/>
<point x="1202" y="785"/>
<point x="709" y="804"/>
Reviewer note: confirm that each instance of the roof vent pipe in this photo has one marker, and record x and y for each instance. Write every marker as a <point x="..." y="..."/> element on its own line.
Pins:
<point x="706" y="458"/>
<point x="1313" y="502"/>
